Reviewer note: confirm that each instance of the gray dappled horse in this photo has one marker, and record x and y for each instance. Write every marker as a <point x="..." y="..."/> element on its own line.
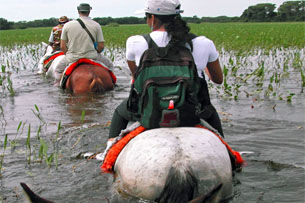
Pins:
<point x="174" y="165"/>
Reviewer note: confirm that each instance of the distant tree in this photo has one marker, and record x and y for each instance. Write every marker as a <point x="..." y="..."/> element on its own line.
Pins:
<point x="292" y="11"/>
<point x="5" y="25"/>
<point x="260" y="12"/>
<point x="104" y="21"/>
<point x="220" y="19"/>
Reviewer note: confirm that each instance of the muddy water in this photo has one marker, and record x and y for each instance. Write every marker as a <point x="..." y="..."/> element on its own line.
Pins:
<point x="270" y="130"/>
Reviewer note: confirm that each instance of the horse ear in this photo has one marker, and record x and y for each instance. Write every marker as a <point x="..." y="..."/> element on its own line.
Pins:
<point x="32" y="196"/>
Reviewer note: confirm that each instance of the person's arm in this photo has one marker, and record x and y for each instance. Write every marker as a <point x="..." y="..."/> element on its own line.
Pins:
<point x="63" y="46"/>
<point x="214" y="72"/>
<point x="100" y="47"/>
<point x="51" y="38"/>
<point x="132" y="67"/>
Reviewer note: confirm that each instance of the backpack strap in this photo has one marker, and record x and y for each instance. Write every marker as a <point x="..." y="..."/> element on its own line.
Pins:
<point x="150" y="41"/>
<point x="160" y="51"/>
<point x="85" y="28"/>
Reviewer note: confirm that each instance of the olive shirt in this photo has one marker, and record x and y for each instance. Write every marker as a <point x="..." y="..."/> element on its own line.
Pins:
<point x="78" y="41"/>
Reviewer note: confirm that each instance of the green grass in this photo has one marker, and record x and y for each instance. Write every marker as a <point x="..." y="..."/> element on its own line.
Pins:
<point x="231" y="36"/>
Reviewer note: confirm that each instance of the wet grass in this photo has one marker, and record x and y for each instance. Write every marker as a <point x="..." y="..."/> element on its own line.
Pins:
<point x="257" y="58"/>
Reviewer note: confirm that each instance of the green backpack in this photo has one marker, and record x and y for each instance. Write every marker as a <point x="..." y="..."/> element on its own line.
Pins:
<point x="166" y="86"/>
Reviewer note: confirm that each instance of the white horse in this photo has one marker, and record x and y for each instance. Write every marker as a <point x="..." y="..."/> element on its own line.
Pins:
<point x="50" y="73"/>
<point x="174" y="165"/>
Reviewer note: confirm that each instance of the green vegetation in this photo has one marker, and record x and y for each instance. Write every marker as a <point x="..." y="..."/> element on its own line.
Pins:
<point x="230" y="36"/>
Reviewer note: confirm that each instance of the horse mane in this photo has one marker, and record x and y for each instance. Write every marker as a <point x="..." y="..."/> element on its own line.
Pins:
<point x="180" y="186"/>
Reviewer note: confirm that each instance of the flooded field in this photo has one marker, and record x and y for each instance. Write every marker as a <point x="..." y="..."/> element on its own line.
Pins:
<point x="44" y="131"/>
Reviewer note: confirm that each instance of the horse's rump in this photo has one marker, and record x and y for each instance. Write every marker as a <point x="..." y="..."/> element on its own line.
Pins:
<point x="89" y="78"/>
<point x="164" y="163"/>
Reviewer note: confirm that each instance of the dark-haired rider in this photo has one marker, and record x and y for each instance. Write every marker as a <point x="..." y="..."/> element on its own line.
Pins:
<point x="163" y="17"/>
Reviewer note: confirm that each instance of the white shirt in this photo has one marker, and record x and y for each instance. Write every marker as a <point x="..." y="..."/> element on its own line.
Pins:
<point x="204" y="50"/>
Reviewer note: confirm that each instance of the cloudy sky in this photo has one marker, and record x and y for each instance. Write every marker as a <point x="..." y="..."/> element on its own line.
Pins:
<point x="27" y="10"/>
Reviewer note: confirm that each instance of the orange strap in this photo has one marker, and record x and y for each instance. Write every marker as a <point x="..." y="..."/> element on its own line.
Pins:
<point x="238" y="159"/>
<point x="115" y="150"/>
<point x="52" y="57"/>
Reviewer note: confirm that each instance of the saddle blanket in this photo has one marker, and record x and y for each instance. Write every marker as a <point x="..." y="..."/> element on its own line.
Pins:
<point x="50" y="58"/>
<point x="69" y="69"/>
<point x="114" y="147"/>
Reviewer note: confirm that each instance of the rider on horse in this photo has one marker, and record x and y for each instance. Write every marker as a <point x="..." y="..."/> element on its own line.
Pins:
<point x="55" y="35"/>
<point x="163" y="17"/>
<point x="81" y="38"/>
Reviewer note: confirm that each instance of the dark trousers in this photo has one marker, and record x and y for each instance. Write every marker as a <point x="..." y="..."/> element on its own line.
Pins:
<point x="122" y="116"/>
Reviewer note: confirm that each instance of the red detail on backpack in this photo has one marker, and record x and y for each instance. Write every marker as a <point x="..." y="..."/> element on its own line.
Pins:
<point x="52" y="57"/>
<point x="238" y="159"/>
<point x="88" y="61"/>
<point x="171" y="104"/>
<point x="115" y="150"/>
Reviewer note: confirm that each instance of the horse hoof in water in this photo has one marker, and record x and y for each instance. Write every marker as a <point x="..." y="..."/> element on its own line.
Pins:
<point x="175" y="165"/>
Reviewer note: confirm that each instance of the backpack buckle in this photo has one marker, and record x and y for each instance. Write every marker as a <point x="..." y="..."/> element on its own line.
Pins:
<point x="170" y="116"/>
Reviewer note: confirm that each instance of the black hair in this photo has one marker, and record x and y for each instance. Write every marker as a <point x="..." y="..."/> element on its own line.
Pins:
<point x="175" y="26"/>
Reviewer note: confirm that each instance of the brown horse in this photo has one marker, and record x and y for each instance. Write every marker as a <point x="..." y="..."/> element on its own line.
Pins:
<point x="88" y="78"/>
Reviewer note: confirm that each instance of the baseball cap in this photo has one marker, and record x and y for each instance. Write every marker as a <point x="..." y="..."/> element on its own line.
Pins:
<point x="84" y="7"/>
<point x="163" y="7"/>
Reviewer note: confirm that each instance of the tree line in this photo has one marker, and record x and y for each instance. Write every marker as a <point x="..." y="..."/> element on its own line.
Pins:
<point x="264" y="12"/>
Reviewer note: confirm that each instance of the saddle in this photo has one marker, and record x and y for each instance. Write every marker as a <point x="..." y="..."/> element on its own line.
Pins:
<point x="74" y="65"/>
<point x="114" y="148"/>
<point x="49" y="59"/>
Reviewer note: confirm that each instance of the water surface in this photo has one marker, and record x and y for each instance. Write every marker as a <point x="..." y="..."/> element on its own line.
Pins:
<point x="272" y="130"/>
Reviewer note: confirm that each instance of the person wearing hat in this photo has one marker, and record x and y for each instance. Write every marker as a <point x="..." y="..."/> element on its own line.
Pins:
<point x="76" y="43"/>
<point x="167" y="26"/>
<point x="54" y="39"/>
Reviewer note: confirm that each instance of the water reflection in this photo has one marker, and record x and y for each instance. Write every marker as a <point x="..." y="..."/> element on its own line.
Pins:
<point x="257" y="120"/>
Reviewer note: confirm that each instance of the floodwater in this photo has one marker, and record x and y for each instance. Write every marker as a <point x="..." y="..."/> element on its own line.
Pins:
<point x="271" y="131"/>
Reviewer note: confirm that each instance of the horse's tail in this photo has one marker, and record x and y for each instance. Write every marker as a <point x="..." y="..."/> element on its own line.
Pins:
<point x="32" y="196"/>
<point x="180" y="186"/>
<point x="97" y="85"/>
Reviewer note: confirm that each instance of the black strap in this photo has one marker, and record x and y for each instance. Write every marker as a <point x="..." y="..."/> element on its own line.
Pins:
<point x="84" y="26"/>
<point x="150" y="41"/>
<point x="152" y="44"/>
<point x="160" y="51"/>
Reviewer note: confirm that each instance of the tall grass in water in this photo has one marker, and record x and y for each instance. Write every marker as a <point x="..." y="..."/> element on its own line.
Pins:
<point x="6" y="82"/>
<point x="257" y="58"/>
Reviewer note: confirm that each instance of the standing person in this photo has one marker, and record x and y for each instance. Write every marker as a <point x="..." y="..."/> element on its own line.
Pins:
<point x="77" y="43"/>
<point x="54" y="39"/>
<point x="163" y="17"/>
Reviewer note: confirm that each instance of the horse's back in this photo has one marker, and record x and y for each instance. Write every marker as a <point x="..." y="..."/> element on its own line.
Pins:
<point x="144" y="164"/>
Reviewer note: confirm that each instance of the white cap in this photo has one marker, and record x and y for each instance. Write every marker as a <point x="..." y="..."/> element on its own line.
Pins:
<point x="163" y="7"/>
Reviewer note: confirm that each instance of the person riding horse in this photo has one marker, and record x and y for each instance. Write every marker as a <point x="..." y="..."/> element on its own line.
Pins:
<point x="54" y="39"/>
<point x="163" y="17"/>
<point x="77" y="43"/>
